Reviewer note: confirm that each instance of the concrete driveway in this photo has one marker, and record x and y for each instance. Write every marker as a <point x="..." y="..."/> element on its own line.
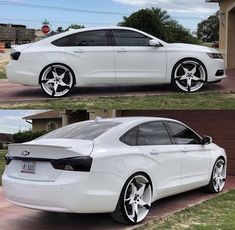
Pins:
<point x="15" y="218"/>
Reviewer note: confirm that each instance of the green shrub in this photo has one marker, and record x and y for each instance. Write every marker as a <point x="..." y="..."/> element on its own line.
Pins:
<point x="25" y="136"/>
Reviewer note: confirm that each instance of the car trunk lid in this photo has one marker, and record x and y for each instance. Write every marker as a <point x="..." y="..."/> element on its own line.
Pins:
<point x="32" y="160"/>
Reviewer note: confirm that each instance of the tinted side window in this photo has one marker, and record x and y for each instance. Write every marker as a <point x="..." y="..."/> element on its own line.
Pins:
<point x="153" y="133"/>
<point x="129" y="38"/>
<point x="131" y="137"/>
<point x="182" y="134"/>
<point x="89" y="38"/>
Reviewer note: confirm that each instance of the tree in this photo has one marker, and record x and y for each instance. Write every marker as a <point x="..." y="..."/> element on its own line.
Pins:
<point x="60" y="29"/>
<point x="75" y="26"/>
<point x="158" y="23"/>
<point x="208" y="30"/>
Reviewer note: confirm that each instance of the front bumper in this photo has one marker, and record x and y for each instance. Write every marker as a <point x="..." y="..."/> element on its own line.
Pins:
<point x="215" y="66"/>
<point x="74" y="192"/>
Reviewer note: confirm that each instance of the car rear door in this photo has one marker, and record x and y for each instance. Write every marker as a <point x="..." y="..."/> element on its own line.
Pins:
<point x="136" y="61"/>
<point x="195" y="155"/>
<point x="91" y="55"/>
<point x="162" y="157"/>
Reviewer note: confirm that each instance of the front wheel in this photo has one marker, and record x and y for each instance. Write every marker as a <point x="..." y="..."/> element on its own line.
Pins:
<point x="218" y="176"/>
<point x="189" y="75"/>
<point x="57" y="80"/>
<point x="135" y="200"/>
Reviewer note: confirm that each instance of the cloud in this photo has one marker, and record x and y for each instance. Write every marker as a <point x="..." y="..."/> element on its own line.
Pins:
<point x="11" y="120"/>
<point x="177" y="6"/>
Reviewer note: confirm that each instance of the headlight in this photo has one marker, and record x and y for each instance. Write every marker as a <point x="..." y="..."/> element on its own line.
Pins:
<point x="215" y="55"/>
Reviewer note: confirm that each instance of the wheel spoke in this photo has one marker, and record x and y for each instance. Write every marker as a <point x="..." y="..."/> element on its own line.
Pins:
<point x="189" y="84"/>
<point x="144" y="204"/>
<point x="140" y="192"/>
<point x="135" y="211"/>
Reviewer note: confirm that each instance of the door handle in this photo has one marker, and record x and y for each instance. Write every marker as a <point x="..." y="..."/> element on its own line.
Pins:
<point x="78" y="51"/>
<point x="122" y="50"/>
<point x="154" y="152"/>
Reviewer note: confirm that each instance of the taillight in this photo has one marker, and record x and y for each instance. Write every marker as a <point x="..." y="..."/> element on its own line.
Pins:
<point x="15" y="55"/>
<point x="7" y="159"/>
<point x="82" y="164"/>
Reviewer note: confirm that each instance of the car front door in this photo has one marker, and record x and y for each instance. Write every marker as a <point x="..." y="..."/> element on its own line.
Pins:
<point x="137" y="61"/>
<point x="91" y="55"/>
<point x="195" y="155"/>
<point x="162" y="157"/>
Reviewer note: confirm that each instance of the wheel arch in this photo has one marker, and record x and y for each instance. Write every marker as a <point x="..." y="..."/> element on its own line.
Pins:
<point x="57" y="63"/>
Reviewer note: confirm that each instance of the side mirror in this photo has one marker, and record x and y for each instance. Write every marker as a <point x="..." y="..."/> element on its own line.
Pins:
<point x="155" y="43"/>
<point x="206" y="140"/>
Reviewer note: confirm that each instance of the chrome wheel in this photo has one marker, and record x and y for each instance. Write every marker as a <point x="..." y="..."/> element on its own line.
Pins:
<point x="57" y="80"/>
<point x="137" y="198"/>
<point x="189" y="75"/>
<point x="218" y="176"/>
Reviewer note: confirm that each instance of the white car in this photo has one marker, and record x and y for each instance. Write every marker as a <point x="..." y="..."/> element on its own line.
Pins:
<point x="112" y="56"/>
<point x="117" y="166"/>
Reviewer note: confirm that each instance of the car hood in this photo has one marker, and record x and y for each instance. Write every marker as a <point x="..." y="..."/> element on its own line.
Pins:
<point x="190" y="48"/>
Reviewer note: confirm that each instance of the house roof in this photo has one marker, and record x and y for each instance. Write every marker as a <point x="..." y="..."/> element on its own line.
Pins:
<point x="45" y="115"/>
<point x="6" y="138"/>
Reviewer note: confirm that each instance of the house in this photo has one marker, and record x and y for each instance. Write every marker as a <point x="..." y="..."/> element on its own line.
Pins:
<point x="227" y="30"/>
<point x="5" y="139"/>
<point x="54" y="119"/>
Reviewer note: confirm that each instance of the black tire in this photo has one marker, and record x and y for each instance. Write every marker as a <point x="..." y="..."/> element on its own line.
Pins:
<point x="57" y="80"/>
<point x="189" y="75"/>
<point x="217" y="177"/>
<point x="121" y="213"/>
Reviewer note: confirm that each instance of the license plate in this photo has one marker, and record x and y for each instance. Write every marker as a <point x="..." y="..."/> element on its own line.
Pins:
<point x="28" y="167"/>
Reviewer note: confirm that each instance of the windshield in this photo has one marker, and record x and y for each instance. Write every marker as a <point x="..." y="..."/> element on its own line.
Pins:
<point x="82" y="130"/>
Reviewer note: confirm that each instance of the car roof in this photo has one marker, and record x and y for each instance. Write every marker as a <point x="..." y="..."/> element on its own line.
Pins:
<point x="73" y="31"/>
<point x="133" y="119"/>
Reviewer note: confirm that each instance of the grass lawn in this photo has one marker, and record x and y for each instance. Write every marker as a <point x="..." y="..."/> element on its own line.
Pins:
<point x="3" y="70"/>
<point x="217" y="213"/>
<point x="2" y="163"/>
<point x="208" y="100"/>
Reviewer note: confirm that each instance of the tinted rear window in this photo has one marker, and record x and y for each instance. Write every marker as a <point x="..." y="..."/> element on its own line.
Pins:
<point x="83" y="130"/>
<point x="89" y="38"/>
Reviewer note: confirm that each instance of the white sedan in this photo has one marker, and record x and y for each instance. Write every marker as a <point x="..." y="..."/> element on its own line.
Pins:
<point x="117" y="166"/>
<point x="112" y="56"/>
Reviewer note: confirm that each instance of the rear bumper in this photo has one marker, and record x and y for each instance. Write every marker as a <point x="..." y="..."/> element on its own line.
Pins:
<point x="74" y="192"/>
<point x="22" y="73"/>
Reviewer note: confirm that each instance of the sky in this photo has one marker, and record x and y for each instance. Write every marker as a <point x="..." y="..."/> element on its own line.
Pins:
<point x="98" y="12"/>
<point x="11" y="120"/>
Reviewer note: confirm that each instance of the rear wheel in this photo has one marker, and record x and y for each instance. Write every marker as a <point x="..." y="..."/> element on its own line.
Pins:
<point x="218" y="176"/>
<point x="135" y="200"/>
<point x="57" y="80"/>
<point x="189" y="75"/>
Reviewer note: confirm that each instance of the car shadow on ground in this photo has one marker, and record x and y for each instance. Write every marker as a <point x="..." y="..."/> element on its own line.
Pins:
<point x="94" y="91"/>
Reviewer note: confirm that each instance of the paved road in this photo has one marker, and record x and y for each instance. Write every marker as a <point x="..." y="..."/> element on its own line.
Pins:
<point x="10" y="92"/>
<point x="15" y="218"/>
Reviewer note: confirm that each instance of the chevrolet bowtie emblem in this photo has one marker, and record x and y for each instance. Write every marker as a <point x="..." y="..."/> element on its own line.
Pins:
<point x="25" y="153"/>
